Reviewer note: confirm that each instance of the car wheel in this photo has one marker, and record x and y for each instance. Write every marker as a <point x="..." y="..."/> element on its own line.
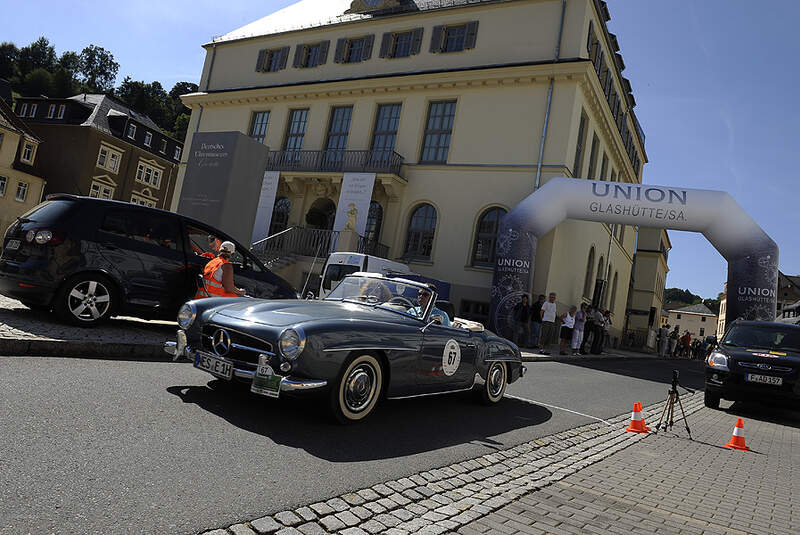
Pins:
<point x="496" y="383"/>
<point x="87" y="300"/>
<point x="357" y="390"/>
<point x="711" y="400"/>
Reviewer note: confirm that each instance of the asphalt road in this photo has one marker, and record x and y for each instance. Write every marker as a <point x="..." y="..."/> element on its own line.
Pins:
<point x="102" y="446"/>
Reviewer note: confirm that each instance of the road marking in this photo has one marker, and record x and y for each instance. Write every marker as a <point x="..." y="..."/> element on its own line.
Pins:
<point x="533" y="402"/>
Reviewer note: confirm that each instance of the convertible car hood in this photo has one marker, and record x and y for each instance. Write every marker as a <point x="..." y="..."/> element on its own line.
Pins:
<point x="281" y="313"/>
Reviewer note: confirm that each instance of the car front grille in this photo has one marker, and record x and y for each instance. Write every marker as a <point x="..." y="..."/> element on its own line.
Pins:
<point x="244" y="348"/>
<point x="765" y="367"/>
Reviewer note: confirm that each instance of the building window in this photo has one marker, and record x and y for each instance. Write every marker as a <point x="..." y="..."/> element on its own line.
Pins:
<point x="272" y="60"/>
<point x="51" y="111"/>
<point x="421" y="229"/>
<point x="136" y="199"/>
<point x="678" y="317"/>
<point x="587" y="283"/>
<point x="108" y="159"/>
<point x="703" y="319"/>
<point x="338" y="131"/>
<point x="258" y="125"/>
<point x="23" y="109"/>
<point x="148" y="139"/>
<point x="22" y="191"/>
<point x="99" y="190"/>
<point x="132" y="131"/>
<point x="372" y="231"/>
<point x="163" y="149"/>
<point x="702" y="331"/>
<point x="3" y="184"/>
<point x="438" y="130"/>
<point x="604" y="167"/>
<point x="385" y="133"/>
<point x="593" y="158"/>
<point x="622" y="234"/>
<point x="614" y="292"/>
<point x="2" y="135"/>
<point x="295" y="130"/>
<point x="177" y="153"/>
<point x="484" y="247"/>
<point x="354" y="50"/>
<point x="401" y="44"/>
<point x="454" y="38"/>
<point x="27" y="153"/>
<point x="147" y="174"/>
<point x="33" y="110"/>
<point x="310" y="56"/>
<point x="280" y="215"/>
<point x="61" y="109"/>
<point x="576" y="166"/>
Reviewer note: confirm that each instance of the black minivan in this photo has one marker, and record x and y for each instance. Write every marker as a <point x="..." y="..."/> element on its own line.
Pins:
<point x="89" y="259"/>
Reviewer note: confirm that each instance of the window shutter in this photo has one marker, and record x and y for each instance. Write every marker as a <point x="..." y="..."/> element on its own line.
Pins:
<point x="298" y="55"/>
<point x="368" y="42"/>
<point x="386" y="42"/>
<point x="472" y="34"/>
<point x="284" y="57"/>
<point x="416" y="40"/>
<point x="262" y="55"/>
<point x="323" y="52"/>
<point x="436" y="39"/>
<point x="338" y="56"/>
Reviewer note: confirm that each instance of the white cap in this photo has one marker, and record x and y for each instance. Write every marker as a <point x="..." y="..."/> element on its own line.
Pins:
<point x="227" y="247"/>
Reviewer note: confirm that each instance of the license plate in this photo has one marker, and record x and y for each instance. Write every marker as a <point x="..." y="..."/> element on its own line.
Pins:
<point x="763" y="379"/>
<point x="12" y="245"/>
<point x="213" y="365"/>
<point x="265" y="382"/>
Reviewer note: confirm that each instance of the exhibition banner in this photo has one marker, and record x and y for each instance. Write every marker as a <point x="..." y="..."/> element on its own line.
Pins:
<point x="752" y="256"/>
<point x="354" y="199"/>
<point x="266" y="205"/>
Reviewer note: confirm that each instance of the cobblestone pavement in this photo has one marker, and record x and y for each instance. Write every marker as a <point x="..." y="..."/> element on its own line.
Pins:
<point x="460" y="495"/>
<point x="20" y="325"/>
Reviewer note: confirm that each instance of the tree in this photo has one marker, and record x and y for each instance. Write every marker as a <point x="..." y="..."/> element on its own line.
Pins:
<point x="9" y="56"/>
<point x="178" y="109"/>
<point x="181" y="88"/>
<point x="149" y="99"/>
<point x="181" y="125"/>
<point x="37" y="82"/>
<point x="70" y="61"/>
<point x="98" y="70"/>
<point x="38" y="55"/>
<point x="64" y="84"/>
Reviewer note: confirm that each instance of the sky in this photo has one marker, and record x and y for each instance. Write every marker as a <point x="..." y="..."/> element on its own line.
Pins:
<point x="715" y="84"/>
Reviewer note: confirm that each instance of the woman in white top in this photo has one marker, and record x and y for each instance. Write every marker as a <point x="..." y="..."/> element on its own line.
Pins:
<point x="568" y="323"/>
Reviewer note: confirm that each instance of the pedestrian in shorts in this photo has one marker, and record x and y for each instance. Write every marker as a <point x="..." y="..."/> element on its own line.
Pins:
<point x="549" y="328"/>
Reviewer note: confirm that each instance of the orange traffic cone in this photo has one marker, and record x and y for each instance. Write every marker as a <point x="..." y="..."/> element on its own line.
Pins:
<point x="737" y="440"/>
<point x="637" y="420"/>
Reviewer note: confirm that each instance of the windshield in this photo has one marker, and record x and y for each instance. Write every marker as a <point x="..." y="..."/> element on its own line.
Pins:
<point x="384" y="293"/>
<point x="770" y="337"/>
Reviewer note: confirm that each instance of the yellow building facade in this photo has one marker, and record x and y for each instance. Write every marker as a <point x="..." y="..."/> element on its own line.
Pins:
<point x="460" y="108"/>
<point x="649" y="279"/>
<point x="20" y="189"/>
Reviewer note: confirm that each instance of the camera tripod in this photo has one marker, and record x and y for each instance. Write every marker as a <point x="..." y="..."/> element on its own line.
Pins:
<point x="668" y="414"/>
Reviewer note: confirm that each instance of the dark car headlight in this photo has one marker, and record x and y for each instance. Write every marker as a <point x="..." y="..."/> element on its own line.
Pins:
<point x="718" y="361"/>
<point x="292" y="342"/>
<point x="186" y="315"/>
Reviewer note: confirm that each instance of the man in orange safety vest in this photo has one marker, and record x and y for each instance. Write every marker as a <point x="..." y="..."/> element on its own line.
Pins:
<point x="218" y="275"/>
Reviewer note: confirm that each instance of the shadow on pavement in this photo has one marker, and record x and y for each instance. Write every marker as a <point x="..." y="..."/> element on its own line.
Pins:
<point x="396" y="429"/>
<point x="772" y="412"/>
<point x="660" y="371"/>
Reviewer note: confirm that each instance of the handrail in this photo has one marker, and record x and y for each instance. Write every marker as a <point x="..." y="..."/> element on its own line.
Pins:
<point x="335" y="160"/>
<point x="265" y="240"/>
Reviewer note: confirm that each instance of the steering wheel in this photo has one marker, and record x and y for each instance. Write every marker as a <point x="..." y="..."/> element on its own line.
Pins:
<point x="400" y="298"/>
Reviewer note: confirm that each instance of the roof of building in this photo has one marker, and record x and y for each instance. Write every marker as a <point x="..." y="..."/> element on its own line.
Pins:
<point x="9" y="120"/>
<point x="104" y="105"/>
<point x="316" y="13"/>
<point x="793" y="279"/>
<point x="699" y="308"/>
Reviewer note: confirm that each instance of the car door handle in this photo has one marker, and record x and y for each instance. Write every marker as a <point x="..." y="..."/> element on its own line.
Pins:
<point x="471" y="345"/>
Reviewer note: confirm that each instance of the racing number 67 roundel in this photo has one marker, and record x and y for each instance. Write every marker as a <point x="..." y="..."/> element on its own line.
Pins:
<point x="451" y="358"/>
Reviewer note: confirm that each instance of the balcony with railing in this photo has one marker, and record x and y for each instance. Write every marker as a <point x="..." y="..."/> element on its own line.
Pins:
<point x="296" y="241"/>
<point x="372" y="247"/>
<point x="335" y="161"/>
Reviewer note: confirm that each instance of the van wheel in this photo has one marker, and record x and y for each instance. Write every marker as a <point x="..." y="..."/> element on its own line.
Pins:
<point x="87" y="300"/>
<point x="357" y="390"/>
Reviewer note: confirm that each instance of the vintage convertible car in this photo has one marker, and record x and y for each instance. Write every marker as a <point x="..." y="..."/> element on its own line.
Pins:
<point x="372" y="337"/>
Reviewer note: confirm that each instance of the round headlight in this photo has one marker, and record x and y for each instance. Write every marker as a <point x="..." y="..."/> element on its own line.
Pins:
<point x="186" y="315"/>
<point x="29" y="236"/>
<point x="718" y="361"/>
<point x="291" y="343"/>
<point x="43" y="236"/>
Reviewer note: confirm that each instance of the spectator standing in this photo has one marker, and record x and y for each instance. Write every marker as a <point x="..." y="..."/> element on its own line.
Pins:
<point x="663" y="340"/>
<point x="577" y="331"/>
<point x="549" y="329"/>
<point x="673" y="342"/>
<point x="588" y="331"/>
<point x="606" y="330"/>
<point x="598" y="330"/>
<point x="536" y="321"/>
<point x="522" y="322"/>
<point x="567" y="327"/>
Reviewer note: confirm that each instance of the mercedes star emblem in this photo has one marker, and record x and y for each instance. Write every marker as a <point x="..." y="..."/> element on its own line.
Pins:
<point x="221" y="342"/>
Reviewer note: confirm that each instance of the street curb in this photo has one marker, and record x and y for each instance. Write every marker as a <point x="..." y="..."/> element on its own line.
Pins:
<point x="80" y="348"/>
<point x="585" y="358"/>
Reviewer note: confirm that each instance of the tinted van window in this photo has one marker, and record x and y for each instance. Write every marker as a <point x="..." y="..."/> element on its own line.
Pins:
<point x="49" y="211"/>
<point x="148" y="228"/>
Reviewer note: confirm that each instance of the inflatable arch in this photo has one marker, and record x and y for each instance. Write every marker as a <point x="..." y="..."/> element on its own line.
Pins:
<point x="752" y="255"/>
